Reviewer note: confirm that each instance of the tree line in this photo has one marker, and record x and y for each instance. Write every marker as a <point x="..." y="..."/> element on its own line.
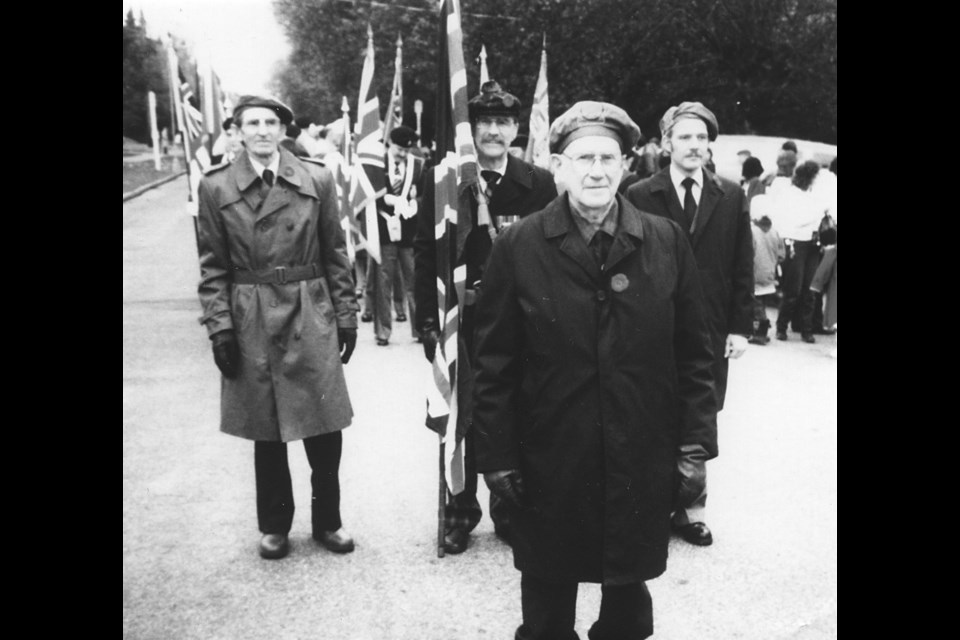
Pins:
<point x="766" y="67"/>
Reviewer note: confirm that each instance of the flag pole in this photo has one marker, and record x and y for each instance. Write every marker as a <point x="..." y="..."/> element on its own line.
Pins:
<point x="441" y="501"/>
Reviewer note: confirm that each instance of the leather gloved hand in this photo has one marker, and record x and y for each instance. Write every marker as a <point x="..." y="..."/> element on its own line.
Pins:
<point x="508" y="485"/>
<point x="348" y="342"/>
<point x="226" y="352"/>
<point x="430" y="337"/>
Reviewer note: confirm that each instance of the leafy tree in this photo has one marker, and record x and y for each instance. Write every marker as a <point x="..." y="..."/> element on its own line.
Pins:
<point x="763" y="66"/>
<point x="144" y="69"/>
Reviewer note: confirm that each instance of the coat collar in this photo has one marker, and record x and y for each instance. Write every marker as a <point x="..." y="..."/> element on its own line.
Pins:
<point x="558" y="221"/>
<point x="516" y="181"/>
<point x="710" y="195"/>
<point x="290" y="174"/>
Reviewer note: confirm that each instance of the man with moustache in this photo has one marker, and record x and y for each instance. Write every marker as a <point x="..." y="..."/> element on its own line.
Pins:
<point x="711" y="211"/>
<point x="280" y="308"/>
<point x="593" y="365"/>
<point x="512" y="189"/>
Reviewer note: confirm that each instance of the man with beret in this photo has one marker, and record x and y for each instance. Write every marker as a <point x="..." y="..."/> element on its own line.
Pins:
<point x="511" y="189"/>
<point x="593" y="368"/>
<point x="711" y="211"/>
<point x="397" y="213"/>
<point x="280" y="308"/>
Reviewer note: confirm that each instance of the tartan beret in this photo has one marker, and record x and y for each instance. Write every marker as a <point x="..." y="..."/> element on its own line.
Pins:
<point x="493" y="101"/>
<point x="590" y="118"/>
<point x="689" y="110"/>
<point x="246" y="102"/>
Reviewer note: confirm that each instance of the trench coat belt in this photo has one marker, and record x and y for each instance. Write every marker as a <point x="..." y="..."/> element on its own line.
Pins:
<point x="278" y="275"/>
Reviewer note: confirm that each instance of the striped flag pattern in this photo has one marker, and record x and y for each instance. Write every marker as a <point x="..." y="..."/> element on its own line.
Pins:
<point x="394" y="117"/>
<point x="190" y="123"/>
<point x="538" y="144"/>
<point x="455" y="177"/>
<point x="369" y="178"/>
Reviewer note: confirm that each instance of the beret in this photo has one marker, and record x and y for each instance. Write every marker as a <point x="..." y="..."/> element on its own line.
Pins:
<point x="403" y="136"/>
<point x="246" y="102"/>
<point x="493" y="101"/>
<point x="689" y="110"/>
<point x="590" y="118"/>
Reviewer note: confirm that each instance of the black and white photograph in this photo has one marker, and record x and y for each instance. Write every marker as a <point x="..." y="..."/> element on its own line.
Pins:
<point x="480" y="319"/>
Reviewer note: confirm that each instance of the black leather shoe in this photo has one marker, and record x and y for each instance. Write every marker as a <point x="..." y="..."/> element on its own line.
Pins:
<point x="696" y="533"/>
<point x="382" y="342"/>
<point x="366" y="317"/>
<point x="274" y="546"/>
<point x="821" y="331"/>
<point x="401" y="318"/>
<point x="781" y="335"/>
<point x="455" y="541"/>
<point x="338" y="541"/>
<point x="808" y="338"/>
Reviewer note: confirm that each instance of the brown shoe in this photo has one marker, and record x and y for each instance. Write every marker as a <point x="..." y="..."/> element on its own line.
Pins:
<point x="274" y="546"/>
<point x="338" y="541"/>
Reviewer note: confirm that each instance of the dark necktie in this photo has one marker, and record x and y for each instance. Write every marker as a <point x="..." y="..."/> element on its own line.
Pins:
<point x="268" y="177"/>
<point x="491" y="177"/>
<point x="600" y="245"/>
<point x="396" y="181"/>
<point x="689" y="204"/>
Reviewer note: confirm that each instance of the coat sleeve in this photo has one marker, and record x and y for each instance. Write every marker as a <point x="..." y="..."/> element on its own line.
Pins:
<point x="499" y="353"/>
<point x="333" y="254"/>
<point x="425" y="259"/>
<point x="214" y="288"/>
<point x="741" y="320"/>
<point x="694" y="356"/>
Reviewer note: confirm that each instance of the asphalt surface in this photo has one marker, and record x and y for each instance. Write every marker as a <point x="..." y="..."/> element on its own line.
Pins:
<point x="190" y="563"/>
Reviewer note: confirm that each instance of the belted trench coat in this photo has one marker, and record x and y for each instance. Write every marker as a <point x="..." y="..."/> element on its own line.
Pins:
<point x="290" y="383"/>
<point x="588" y="379"/>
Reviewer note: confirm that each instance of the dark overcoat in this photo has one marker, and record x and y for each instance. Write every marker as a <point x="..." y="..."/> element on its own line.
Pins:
<point x="588" y="380"/>
<point x="722" y="243"/>
<point x="290" y="384"/>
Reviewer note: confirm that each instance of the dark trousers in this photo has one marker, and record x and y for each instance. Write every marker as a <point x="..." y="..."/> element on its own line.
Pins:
<point x="275" y="491"/>
<point x="797" y="274"/>
<point x="550" y="609"/>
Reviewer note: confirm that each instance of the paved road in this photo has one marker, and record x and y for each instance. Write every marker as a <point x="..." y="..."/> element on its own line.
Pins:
<point x="190" y="566"/>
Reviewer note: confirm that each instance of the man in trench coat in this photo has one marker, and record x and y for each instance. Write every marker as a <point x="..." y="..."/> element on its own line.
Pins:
<point x="712" y="212"/>
<point x="593" y="367"/>
<point x="279" y="305"/>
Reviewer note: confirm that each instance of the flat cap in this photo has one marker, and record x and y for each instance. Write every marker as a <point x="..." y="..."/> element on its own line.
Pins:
<point x="493" y="101"/>
<point x="246" y="102"/>
<point x="689" y="110"/>
<point x="403" y="136"/>
<point x="590" y="118"/>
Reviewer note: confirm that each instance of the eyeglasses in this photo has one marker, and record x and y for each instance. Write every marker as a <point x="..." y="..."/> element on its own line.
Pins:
<point x="585" y="161"/>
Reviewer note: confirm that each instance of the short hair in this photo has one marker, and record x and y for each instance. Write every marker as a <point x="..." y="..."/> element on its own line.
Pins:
<point x="805" y="174"/>
<point x="786" y="162"/>
<point x="764" y="223"/>
<point x="227" y="123"/>
<point x="293" y="131"/>
<point x="752" y="168"/>
<point x="303" y="122"/>
<point x="790" y="145"/>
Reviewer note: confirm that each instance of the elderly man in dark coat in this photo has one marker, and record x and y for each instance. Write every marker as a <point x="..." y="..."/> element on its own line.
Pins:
<point x="712" y="212"/>
<point x="593" y="369"/>
<point x="280" y="308"/>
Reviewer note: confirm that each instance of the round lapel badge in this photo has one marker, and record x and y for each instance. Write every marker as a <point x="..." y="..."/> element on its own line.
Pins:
<point x="288" y="171"/>
<point x="619" y="282"/>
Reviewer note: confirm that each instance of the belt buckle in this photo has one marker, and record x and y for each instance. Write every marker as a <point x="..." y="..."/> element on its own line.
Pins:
<point x="281" y="274"/>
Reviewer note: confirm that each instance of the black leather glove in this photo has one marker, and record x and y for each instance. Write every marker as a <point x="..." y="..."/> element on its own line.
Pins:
<point x="348" y="342"/>
<point x="429" y="338"/>
<point x="508" y="485"/>
<point x="226" y="352"/>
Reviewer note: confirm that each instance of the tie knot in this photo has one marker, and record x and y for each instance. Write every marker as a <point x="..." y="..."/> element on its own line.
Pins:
<point x="491" y="177"/>
<point x="688" y="183"/>
<point x="268" y="177"/>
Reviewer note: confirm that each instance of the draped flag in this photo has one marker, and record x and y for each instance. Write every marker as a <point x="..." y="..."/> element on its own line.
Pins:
<point x="455" y="177"/>
<point x="394" y="117"/>
<point x="369" y="179"/>
<point x="538" y="143"/>
<point x="190" y="123"/>
<point x="348" y="218"/>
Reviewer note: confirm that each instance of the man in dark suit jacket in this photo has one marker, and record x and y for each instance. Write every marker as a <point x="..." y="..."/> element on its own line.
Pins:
<point x="513" y="189"/>
<point x="712" y="211"/>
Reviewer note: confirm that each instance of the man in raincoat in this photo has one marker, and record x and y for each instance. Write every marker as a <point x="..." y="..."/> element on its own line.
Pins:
<point x="280" y="308"/>
<point x="593" y="369"/>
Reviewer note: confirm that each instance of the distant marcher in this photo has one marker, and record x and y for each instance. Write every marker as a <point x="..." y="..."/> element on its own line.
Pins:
<point x="593" y="368"/>
<point x="768" y="252"/>
<point x="289" y="142"/>
<point x="280" y="309"/>
<point x="753" y="186"/>
<point x="308" y="136"/>
<point x="710" y="210"/>
<point x="228" y="145"/>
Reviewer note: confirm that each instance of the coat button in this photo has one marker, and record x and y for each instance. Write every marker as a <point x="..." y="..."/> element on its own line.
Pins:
<point x="601" y="295"/>
<point x="274" y="303"/>
<point x="290" y="226"/>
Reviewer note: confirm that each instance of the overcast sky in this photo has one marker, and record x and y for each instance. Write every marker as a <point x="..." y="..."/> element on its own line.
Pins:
<point x="242" y="37"/>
